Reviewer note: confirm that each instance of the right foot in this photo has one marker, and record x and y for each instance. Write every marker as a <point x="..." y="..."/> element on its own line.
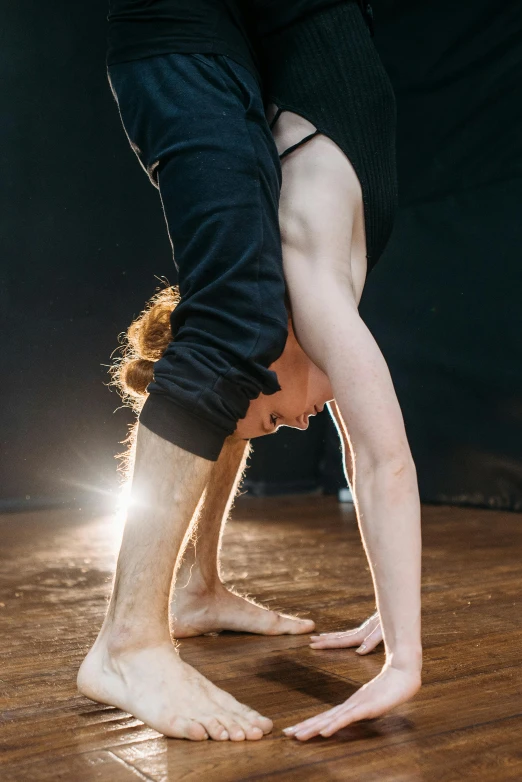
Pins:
<point x="156" y="686"/>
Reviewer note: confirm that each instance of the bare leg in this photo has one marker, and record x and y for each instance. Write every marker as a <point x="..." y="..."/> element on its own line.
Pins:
<point x="133" y="664"/>
<point x="201" y="603"/>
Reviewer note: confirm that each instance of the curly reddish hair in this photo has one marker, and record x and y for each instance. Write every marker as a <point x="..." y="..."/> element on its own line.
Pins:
<point x="140" y="346"/>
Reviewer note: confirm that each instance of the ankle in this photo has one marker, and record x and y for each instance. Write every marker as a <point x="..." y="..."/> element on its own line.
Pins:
<point x="122" y="638"/>
<point x="196" y="583"/>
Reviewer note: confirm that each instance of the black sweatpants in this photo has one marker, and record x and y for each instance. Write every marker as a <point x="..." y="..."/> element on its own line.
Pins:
<point x="197" y="125"/>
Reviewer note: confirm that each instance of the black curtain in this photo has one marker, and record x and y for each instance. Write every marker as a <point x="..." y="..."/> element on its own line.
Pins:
<point x="445" y="303"/>
<point x="83" y="243"/>
<point x="83" y="237"/>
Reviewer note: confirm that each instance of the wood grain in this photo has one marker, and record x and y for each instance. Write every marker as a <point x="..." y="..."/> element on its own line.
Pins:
<point x="303" y="555"/>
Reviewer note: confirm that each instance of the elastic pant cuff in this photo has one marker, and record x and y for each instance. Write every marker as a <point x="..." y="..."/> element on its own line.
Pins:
<point x="182" y="428"/>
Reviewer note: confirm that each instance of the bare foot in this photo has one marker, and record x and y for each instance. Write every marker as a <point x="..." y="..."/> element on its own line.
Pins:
<point x="197" y="610"/>
<point x="153" y="684"/>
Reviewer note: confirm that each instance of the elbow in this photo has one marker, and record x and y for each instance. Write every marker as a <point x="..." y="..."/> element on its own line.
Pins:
<point x="392" y="480"/>
<point x="401" y="467"/>
<point x="397" y="468"/>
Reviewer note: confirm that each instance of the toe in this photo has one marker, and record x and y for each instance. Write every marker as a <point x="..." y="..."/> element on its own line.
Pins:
<point x="181" y="728"/>
<point x="239" y="712"/>
<point x="255" y="720"/>
<point x="302" y="626"/>
<point x="266" y="725"/>
<point x="250" y="727"/>
<point x="215" y="729"/>
<point x="236" y="730"/>
<point x="251" y="732"/>
<point x="291" y="625"/>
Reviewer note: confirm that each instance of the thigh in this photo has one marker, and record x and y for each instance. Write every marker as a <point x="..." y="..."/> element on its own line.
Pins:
<point x="198" y="126"/>
<point x="321" y="209"/>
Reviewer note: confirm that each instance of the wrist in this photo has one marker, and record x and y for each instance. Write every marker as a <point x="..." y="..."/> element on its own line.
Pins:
<point x="405" y="658"/>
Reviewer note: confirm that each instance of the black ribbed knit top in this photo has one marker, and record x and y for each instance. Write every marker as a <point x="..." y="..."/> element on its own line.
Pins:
<point x="323" y="65"/>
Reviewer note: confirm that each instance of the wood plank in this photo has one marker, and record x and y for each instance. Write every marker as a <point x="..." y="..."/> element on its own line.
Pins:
<point x="288" y="692"/>
<point x="489" y="753"/>
<point x="297" y="554"/>
<point x="444" y="662"/>
<point x="86" y="767"/>
<point x="446" y="758"/>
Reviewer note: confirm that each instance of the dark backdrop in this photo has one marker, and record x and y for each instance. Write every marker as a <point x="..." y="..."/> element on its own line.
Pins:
<point x="83" y="241"/>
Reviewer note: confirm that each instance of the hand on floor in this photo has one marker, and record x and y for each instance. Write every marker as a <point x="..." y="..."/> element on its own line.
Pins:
<point x="389" y="689"/>
<point x="367" y="636"/>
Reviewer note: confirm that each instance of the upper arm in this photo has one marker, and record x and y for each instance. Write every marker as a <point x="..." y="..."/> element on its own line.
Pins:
<point x="330" y="330"/>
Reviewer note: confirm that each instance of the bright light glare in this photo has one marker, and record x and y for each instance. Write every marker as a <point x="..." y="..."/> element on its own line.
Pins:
<point x="125" y="501"/>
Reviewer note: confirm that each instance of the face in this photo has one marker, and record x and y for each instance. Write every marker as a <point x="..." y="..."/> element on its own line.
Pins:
<point x="304" y="391"/>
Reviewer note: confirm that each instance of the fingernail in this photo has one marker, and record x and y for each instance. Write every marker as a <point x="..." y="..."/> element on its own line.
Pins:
<point x="361" y="648"/>
<point x="288" y="731"/>
<point x="224" y="735"/>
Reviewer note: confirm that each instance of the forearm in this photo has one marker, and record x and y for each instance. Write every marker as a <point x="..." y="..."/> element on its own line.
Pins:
<point x="388" y="511"/>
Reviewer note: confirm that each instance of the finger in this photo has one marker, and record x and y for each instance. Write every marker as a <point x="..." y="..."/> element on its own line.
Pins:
<point x="315" y="724"/>
<point x="338" y="640"/>
<point x="371" y="641"/>
<point x="304" y="726"/>
<point x="358" y="711"/>
<point x="338" y="633"/>
<point x="352" y="715"/>
<point x="301" y="725"/>
<point x="341" y="634"/>
<point x="346" y="638"/>
<point x="315" y="728"/>
<point x="370" y="623"/>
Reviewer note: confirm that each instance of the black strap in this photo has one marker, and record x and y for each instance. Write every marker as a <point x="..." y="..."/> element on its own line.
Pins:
<point x="299" y="144"/>
<point x="294" y="146"/>
<point x="275" y="118"/>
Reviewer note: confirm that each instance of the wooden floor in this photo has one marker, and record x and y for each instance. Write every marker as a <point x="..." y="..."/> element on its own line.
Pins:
<point x="303" y="555"/>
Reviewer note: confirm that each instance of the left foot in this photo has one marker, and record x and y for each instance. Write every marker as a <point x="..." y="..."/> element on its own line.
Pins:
<point x="211" y="610"/>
